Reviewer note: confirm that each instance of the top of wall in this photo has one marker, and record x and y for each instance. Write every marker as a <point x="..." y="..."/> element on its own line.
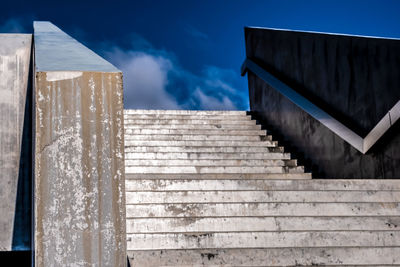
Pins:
<point x="322" y="33"/>
<point x="57" y="51"/>
<point x="11" y="42"/>
<point x="355" y="79"/>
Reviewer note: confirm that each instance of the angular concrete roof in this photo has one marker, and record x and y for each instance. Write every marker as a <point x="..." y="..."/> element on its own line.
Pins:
<point x="57" y="51"/>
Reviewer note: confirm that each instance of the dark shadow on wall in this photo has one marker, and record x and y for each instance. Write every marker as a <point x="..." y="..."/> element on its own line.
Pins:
<point x="22" y="220"/>
<point x="288" y="146"/>
<point x="354" y="79"/>
<point x="15" y="258"/>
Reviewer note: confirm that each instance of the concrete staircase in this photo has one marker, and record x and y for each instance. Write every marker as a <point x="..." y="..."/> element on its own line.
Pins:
<point x="212" y="188"/>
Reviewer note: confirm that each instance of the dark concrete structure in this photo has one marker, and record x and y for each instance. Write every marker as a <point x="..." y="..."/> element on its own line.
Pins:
<point x="355" y="79"/>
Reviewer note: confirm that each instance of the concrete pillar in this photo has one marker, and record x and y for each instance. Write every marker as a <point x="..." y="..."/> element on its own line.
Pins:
<point x="15" y="52"/>
<point x="79" y="154"/>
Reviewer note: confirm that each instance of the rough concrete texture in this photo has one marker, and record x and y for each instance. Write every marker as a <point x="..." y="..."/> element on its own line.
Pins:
<point x="194" y="199"/>
<point x="371" y="256"/>
<point x="15" y="51"/>
<point x="79" y="158"/>
<point x="354" y="79"/>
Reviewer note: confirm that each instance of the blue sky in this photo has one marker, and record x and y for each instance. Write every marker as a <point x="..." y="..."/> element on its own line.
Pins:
<point x="187" y="54"/>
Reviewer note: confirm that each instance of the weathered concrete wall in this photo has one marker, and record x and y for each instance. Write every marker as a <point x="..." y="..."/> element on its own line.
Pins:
<point x="354" y="79"/>
<point x="79" y="155"/>
<point x="15" y="52"/>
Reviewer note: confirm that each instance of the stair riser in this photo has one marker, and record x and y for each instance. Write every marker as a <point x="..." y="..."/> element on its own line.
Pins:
<point x="195" y="128"/>
<point x="252" y="138"/>
<point x="263" y="209"/>
<point x="245" y="184"/>
<point x="186" y="117"/>
<point x="205" y="156"/>
<point x="185" y="112"/>
<point x="219" y="132"/>
<point x="254" y="224"/>
<point x="207" y="169"/>
<point x="263" y="239"/>
<point x="200" y="143"/>
<point x="177" y="162"/>
<point x="199" y="149"/>
<point x="261" y="196"/>
<point x="189" y="122"/>
<point x="377" y="256"/>
<point x="217" y="176"/>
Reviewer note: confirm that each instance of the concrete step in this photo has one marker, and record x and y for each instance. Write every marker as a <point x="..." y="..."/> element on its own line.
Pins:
<point x="186" y="117"/>
<point x="211" y="169"/>
<point x="203" y="149"/>
<point x="200" y="143"/>
<point x="214" y="156"/>
<point x="196" y="137"/>
<point x="188" y="122"/>
<point x="168" y="184"/>
<point x="263" y="239"/>
<point x="186" y="112"/>
<point x="261" y="209"/>
<point x="161" y="131"/>
<point x="215" y="176"/>
<point x="257" y="224"/>
<point x="210" y="162"/>
<point x="355" y="256"/>
<point x="195" y="127"/>
<point x="134" y="197"/>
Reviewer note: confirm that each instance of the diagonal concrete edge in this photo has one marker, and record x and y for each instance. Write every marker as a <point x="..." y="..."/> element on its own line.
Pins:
<point x="57" y="51"/>
<point x="79" y="207"/>
<point x="15" y="54"/>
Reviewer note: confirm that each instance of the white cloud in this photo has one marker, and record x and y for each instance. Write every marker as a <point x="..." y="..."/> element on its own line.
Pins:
<point x="212" y="103"/>
<point x="154" y="79"/>
<point x="145" y="80"/>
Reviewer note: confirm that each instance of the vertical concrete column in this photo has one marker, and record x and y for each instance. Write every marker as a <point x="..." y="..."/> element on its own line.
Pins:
<point x="15" y="54"/>
<point x="79" y="154"/>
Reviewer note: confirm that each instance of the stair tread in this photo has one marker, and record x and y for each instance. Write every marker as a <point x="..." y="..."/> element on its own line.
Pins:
<point x="170" y="184"/>
<point x="217" y="176"/>
<point x="265" y="239"/>
<point x="205" y="162"/>
<point x="203" y="155"/>
<point x="133" y="197"/>
<point x="266" y="223"/>
<point x="262" y="209"/>
<point x="367" y="256"/>
<point x="206" y="143"/>
<point x="195" y="112"/>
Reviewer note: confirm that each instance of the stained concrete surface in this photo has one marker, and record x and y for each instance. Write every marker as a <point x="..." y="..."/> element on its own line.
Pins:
<point x="79" y="155"/>
<point x="15" y="51"/>
<point x="355" y="79"/>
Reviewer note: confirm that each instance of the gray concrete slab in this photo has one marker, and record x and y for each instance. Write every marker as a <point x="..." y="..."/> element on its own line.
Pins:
<point x="262" y="209"/>
<point x="188" y="131"/>
<point x="217" y="176"/>
<point x="79" y="155"/>
<point x="172" y="184"/>
<point x="278" y="239"/>
<point x="15" y="56"/>
<point x="185" y="112"/>
<point x="257" y="224"/>
<point x="215" y="196"/>
<point x="371" y="256"/>
<point x="57" y="51"/>
<point x="216" y="156"/>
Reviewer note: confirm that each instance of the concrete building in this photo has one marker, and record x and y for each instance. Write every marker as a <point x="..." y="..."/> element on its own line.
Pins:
<point x="86" y="183"/>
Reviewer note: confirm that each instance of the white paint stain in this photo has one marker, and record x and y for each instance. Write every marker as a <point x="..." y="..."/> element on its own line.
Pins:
<point x="53" y="76"/>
